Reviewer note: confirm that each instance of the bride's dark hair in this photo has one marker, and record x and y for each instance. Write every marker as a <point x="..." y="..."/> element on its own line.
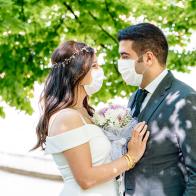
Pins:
<point x="71" y="62"/>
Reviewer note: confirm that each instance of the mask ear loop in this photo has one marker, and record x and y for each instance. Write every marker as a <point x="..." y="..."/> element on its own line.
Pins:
<point x="145" y="70"/>
<point x="138" y="59"/>
<point x="142" y="56"/>
<point x="142" y="61"/>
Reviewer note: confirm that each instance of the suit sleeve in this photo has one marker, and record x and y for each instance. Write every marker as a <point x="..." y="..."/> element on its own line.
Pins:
<point x="186" y="132"/>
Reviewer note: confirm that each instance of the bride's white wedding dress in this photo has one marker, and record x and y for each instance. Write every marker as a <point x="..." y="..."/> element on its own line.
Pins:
<point x="100" y="148"/>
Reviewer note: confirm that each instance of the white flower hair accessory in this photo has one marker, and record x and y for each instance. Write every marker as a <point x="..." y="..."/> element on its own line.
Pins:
<point x="68" y="60"/>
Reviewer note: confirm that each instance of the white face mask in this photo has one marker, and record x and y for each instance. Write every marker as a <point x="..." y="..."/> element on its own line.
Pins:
<point x="97" y="82"/>
<point x="126" y="67"/>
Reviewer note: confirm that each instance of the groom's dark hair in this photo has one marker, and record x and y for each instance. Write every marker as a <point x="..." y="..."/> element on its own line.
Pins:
<point x="146" y="36"/>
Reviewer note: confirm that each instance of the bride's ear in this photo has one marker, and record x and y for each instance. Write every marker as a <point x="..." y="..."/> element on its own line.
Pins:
<point x="87" y="79"/>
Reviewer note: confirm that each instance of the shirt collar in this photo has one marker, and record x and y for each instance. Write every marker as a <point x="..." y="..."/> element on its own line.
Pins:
<point x="154" y="84"/>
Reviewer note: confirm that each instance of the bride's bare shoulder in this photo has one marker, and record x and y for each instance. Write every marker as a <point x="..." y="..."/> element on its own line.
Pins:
<point x="64" y="120"/>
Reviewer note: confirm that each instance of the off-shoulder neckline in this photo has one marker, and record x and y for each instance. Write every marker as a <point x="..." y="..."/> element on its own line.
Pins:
<point x="60" y="135"/>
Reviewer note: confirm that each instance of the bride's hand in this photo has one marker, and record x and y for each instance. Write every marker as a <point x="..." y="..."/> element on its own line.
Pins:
<point x="137" y="144"/>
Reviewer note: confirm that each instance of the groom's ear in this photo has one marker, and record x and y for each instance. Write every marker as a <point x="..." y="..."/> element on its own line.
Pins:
<point x="149" y="58"/>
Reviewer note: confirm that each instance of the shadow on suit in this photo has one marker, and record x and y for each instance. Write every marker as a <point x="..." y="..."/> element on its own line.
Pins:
<point x="168" y="167"/>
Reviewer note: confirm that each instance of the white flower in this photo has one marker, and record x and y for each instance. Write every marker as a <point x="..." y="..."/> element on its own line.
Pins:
<point x="99" y="119"/>
<point x="112" y="114"/>
<point x="112" y="118"/>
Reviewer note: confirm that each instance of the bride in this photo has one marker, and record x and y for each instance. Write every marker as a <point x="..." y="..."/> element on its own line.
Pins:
<point x="79" y="148"/>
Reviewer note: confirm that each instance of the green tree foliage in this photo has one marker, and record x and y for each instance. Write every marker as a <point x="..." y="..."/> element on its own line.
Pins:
<point x="31" y="29"/>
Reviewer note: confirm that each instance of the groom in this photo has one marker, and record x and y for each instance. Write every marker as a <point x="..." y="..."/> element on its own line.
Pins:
<point x="168" y="167"/>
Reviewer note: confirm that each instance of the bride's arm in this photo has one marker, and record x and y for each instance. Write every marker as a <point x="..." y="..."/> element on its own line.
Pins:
<point x="80" y="160"/>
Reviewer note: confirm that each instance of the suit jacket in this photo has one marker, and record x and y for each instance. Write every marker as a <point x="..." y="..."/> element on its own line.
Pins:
<point x="168" y="167"/>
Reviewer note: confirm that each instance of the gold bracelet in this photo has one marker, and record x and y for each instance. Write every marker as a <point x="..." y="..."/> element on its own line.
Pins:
<point x="128" y="162"/>
<point x="131" y="159"/>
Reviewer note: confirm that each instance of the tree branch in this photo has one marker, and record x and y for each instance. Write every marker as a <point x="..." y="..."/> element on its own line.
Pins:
<point x="95" y="19"/>
<point x="77" y="19"/>
<point x="21" y="13"/>
<point x="71" y="10"/>
<point x="103" y="46"/>
<point x="110" y="14"/>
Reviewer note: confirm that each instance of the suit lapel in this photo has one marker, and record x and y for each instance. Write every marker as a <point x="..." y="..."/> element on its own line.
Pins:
<point x="157" y="97"/>
<point x="131" y="102"/>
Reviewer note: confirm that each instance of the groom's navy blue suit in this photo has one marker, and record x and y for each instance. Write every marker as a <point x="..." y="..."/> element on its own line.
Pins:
<point x="168" y="167"/>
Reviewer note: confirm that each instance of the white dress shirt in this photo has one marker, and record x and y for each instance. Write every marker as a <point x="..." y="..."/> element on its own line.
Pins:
<point x="152" y="87"/>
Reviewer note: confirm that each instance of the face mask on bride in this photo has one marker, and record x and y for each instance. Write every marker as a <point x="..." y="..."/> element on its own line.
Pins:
<point x="97" y="81"/>
<point x="126" y="67"/>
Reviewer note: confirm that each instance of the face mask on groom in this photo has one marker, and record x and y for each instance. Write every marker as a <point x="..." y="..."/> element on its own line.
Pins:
<point x="126" y="67"/>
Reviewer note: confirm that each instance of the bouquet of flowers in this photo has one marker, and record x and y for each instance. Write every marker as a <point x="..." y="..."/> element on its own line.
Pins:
<point x="117" y="124"/>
